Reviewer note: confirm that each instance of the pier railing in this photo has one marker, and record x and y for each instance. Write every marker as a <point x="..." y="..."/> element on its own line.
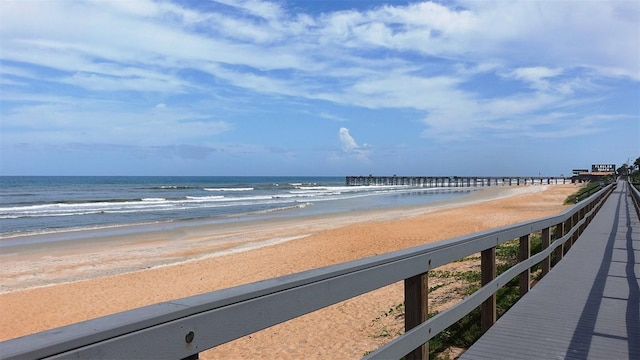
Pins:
<point x="452" y="181"/>
<point x="182" y="328"/>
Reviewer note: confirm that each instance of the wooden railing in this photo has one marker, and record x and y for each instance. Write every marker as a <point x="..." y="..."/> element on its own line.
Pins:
<point x="635" y="196"/>
<point x="183" y="328"/>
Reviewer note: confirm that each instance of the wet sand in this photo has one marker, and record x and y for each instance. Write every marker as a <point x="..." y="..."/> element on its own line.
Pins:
<point x="49" y="285"/>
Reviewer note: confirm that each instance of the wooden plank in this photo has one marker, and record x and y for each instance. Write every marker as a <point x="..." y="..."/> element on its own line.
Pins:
<point x="580" y="310"/>
<point x="162" y="330"/>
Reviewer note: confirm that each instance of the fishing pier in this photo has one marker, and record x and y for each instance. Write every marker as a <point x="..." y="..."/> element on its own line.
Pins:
<point x="451" y="181"/>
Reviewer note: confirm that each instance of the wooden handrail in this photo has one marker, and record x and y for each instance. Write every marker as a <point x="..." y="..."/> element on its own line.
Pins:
<point x="485" y="296"/>
<point x="635" y="196"/>
<point x="183" y="328"/>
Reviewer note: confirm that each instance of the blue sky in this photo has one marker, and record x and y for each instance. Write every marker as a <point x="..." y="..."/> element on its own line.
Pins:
<point x="311" y="87"/>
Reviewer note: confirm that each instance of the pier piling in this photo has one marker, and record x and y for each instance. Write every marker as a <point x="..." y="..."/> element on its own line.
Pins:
<point x="451" y="181"/>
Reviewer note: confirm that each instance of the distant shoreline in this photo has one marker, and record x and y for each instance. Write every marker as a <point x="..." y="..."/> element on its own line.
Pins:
<point x="131" y="229"/>
<point x="34" y="206"/>
<point x="170" y="243"/>
<point x="42" y="287"/>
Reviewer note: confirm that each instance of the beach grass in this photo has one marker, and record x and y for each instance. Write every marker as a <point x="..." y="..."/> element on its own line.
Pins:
<point x="463" y="282"/>
<point x="467" y="330"/>
<point x="585" y="191"/>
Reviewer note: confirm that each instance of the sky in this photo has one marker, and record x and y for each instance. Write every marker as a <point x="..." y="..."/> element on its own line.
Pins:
<point x="318" y="87"/>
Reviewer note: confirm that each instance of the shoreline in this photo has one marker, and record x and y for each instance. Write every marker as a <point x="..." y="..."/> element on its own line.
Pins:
<point x="117" y="250"/>
<point x="299" y="211"/>
<point x="340" y="331"/>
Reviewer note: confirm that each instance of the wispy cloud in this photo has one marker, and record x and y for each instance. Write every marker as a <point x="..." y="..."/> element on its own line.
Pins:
<point x="332" y="117"/>
<point x="99" y="122"/>
<point x="467" y="69"/>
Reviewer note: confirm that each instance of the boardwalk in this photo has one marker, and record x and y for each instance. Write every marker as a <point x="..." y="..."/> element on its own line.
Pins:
<point x="588" y="306"/>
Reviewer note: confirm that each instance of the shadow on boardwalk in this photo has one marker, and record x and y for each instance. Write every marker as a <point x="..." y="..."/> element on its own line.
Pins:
<point x="588" y="307"/>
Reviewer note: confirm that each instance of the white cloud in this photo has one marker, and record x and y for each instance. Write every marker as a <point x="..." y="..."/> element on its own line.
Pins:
<point x="347" y="141"/>
<point x="264" y="9"/>
<point x="332" y="117"/>
<point x="98" y="82"/>
<point x="536" y="76"/>
<point x="482" y="31"/>
<point x="351" y="148"/>
<point x="104" y="122"/>
<point x="422" y="56"/>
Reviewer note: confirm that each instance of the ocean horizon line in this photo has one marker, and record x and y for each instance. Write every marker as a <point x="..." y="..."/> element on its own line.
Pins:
<point x="48" y="204"/>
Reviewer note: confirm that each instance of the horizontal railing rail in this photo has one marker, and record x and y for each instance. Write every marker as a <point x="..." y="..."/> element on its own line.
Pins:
<point x="183" y="328"/>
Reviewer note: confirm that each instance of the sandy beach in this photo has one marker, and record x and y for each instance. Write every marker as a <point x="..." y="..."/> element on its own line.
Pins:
<point x="43" y="286"/>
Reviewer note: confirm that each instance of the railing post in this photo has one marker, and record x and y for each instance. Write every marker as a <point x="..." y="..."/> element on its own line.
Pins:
<point x="524" y="254"/>
<point x="488" y="269"/>
<point x="566" y="228"/>
<point x="416" y="310"/>
<point x="546" y="241"/>
<point x="583" y="215"/>
<point x="560" y="249"/>
<point x="574" y="221"/>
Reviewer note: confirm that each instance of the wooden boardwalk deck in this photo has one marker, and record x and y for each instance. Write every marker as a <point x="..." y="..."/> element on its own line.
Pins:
<point x="588" y="306"/>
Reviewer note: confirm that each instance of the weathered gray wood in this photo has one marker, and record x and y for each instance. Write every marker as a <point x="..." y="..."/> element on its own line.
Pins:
<point x="185" y="327"/>
<point x="425" y="331"/>
<point x="588" y="306"/>
<point x="635" y="197"/>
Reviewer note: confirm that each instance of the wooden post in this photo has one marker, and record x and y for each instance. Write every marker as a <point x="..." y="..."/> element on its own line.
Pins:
<point x="560" y="249"/>
<point x="525" y="252"/>
<point x="416" y="310"/>
<point x="574" y="221"/>
<point x="546" y="242"/>
<point x="583" y="215"/>
<point x="488" y="308"/>
<point x="567" y="227"/>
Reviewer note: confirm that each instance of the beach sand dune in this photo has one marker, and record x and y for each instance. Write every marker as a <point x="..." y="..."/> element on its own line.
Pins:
<point x="52" y="285"/>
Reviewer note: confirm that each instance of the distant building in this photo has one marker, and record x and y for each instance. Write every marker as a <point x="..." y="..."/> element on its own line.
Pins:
<point x="599" y="172"/>
<point x="608" y="168"/>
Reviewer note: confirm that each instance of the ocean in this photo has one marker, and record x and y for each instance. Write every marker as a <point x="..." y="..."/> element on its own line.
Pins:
<point x="32" y="205"/>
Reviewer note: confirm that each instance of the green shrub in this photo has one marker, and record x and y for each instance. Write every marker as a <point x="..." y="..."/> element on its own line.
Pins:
<point x="582" y="193"/>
